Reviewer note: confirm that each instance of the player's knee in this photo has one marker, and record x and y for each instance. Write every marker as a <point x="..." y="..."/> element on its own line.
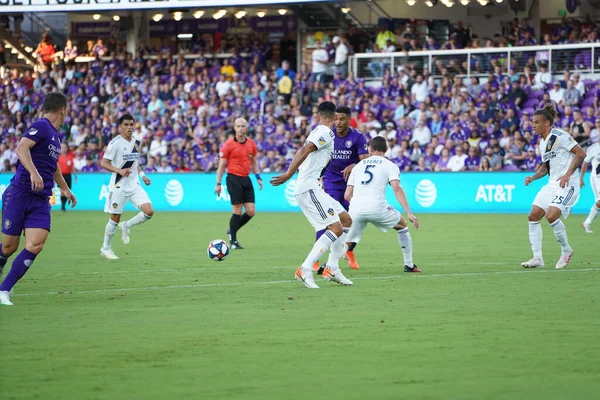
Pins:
<point x="237" y="209"/>
<point x="598" y="204"/>
<point x="8" y="249"/>
<point x="251" y="212"/>
<point x="336" y="229"/>
<point x="148" y="210"/>
<point x="35" y="247"/>
<point x="346" y="220"/>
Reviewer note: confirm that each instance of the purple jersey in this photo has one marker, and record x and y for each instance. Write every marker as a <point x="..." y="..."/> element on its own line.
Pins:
<point x="346" y="151"/>
<point x="44" y="155"/>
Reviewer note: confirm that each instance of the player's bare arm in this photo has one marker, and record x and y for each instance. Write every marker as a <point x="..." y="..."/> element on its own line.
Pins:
<point x="540" y="173"/>
<point x="64" y="188"/>
<point x="105" y="163"/>
<point x="349" y="193"/>
<point x="220" y="171"/>
<point x="296" y="162"/>
<point x="256" y="171"/>
<point x="401" y="197"/>
<point x="141" y="173"/>
<point x="577" y="160"/>
<point x="24" y="153"/>
<point x="584" y="168"/>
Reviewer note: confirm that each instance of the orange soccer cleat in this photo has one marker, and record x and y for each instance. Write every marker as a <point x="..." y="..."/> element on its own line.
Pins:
<point x="351" y="260"/>
<point x="316" y="266"/>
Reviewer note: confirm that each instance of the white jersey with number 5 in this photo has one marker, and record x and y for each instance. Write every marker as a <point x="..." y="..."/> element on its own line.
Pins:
<point x="310" y="170"/>
<point x="370" y="178"/>
<point x="556" y="153"/>
<point x="124" y="154"/>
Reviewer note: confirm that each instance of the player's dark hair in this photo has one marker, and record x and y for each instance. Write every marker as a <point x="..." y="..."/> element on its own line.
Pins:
<point x="344" y="110"/>
<point x="54" y="102"/>
<point x="378" y="143"/>
<point x="548" y="112"/>
<point x="327" y="109"/>
<point x="125" y="117"/>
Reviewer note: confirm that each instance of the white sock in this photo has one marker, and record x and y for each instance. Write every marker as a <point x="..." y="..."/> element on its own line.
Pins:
<point x="140" y="218"/>
<point x="320" y="247"/>
<point x="406" y="245"/>
<point x="535" y="239"/>
<point x="560" y="233"/>
<point x="338" y="249"/>
<point x="593" y="214"/>
<point x="109" y="232"/>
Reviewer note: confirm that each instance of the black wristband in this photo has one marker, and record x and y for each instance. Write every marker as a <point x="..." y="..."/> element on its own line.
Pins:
<point x="218" y="184"/>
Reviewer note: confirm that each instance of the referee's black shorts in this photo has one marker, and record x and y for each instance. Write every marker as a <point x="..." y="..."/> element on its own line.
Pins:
<point x="240" y="189"/>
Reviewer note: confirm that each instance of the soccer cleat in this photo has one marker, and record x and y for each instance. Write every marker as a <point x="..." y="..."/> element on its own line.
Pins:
<point x="351" y="260"/>
<point x="316" y="267"/>
<point x="229" y="234"/>
<point x="336" y="276"/>
<point x="109" y="254"/>
<point x="5" y="298"/>
<point x="236" y="245"/>
<point x="307" y="279"/>
<point x="563" y="261"/>
<point x="533" y="263"/>
<point x="124" y="233"/>
<point x="413" y="269"/>
<point x="587" y="227"/>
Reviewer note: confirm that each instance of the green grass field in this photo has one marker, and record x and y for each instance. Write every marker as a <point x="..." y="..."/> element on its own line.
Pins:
<point x="165" y="322"/>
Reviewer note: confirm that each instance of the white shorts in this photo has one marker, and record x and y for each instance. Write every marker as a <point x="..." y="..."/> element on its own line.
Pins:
<point x="383" y="220"/>
<point x="117" y="200"/>
<point x="552" y="195"/>
<point x="595" y="183"/>
<point x="320" y="209"/>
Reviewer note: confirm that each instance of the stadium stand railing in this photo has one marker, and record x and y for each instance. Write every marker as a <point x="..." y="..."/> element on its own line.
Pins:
<point x="582" y="57"/>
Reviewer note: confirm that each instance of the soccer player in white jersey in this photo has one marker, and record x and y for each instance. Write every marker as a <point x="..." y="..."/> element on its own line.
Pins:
<point x="366" y="194"/>
<point x="320" y="209"/>
<point x="592" y="157"/>
<point x="561" y="156"/>
<point x="121" y="158"/>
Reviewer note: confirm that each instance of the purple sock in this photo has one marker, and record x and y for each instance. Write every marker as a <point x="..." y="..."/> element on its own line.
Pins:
<point x="320" y="233"/>
<point x="3" y="258"/>
<point x="352" y="246"/>
<point x="18" y="269"/>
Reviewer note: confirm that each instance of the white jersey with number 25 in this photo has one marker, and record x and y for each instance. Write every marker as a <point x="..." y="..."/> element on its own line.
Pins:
<point x="370" y="178"/>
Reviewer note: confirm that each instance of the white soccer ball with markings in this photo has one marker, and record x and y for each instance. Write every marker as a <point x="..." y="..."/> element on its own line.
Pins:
<point x="218" y="250"/>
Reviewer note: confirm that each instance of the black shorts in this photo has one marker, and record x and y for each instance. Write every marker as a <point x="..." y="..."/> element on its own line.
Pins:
<point x="240" y="189"/>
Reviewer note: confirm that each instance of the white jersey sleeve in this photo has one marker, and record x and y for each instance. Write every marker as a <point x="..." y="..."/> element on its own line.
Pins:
<point x="566" y="141"/>
<point x="320" y="137"/>
<point x="393" y="172"/>
<point x="352" y="177"/>
<point x="111" y="150"/>
<point x="310" y="170"/>
<point x="593" y="157"/>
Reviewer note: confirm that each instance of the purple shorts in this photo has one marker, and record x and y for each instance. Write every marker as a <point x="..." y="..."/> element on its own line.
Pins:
<point x="337" y="193"/>
<point x="22" y="210"/>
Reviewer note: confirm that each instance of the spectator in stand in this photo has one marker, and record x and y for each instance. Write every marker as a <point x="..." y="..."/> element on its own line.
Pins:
<point x="571" y="96"/>
<point x="580" y="130"/>
<point x="541" y="79"/>
<point x="473" y="161"/>
<point x="44" y="51"/>
<point x="419" y="90"/>
<point x="457" y="161"/>
<point x="90" y="165"/>
<point x="383" y="36"/>
<point x="320" y="61"/>
<point x="532" y="162"/>
<point x="421" y="134"/>
<point x="557" y="94"/>
<point x="341" y="56"/>
<point x="463" y="35"/>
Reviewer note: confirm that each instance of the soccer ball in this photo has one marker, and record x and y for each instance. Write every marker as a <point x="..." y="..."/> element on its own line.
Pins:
<point x="218" y="250"/>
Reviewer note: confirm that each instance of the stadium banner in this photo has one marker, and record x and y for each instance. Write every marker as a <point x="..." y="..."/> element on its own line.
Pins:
<point x="438" y="192"/>
<point x="14" y="6"/>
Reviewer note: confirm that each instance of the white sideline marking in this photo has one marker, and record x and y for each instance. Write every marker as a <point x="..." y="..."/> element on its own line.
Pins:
<point x="367" y="278"/>
<point x="200" y="269"/>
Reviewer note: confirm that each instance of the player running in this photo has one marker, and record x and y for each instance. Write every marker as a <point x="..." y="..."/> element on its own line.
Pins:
<point x="349" y="148"/>
<point x="561" y="157"/>
<point x="366" y="194"/>
<point x="121" y="158"/>
<point x="319" y="208"/>
<point x="25" y="202"/>
<point x="592" y="157"/>
<point x="238" y="155"/>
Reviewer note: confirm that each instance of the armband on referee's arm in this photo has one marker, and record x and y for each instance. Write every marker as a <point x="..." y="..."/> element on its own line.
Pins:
<point x="257" y="176"/>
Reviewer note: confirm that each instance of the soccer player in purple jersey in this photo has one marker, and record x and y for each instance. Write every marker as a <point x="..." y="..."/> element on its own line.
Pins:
<point x="349" y="147"/>
<point x="25" y="202"/>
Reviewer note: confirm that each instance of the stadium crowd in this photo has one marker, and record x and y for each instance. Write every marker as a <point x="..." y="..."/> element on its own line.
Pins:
<point x="185" y="108"/>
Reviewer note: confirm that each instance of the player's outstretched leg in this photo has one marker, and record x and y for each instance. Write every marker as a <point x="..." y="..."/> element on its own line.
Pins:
<point x="234" y="227"/>
<point x="405" y="241"/>
<point x="316" y="263"/>
<point x="535" y="238"/>
<point x="332" y="270"/>
<point x="110" y="230"/>
<point x="3" y="260"/>
<point x="304" y="272"/>
<point x="350" y="256"/>
<point x="34" y="243"/>
<point x="560" y="233"/>
<point x="587" y="224"/>
<point x="143" y="216"/>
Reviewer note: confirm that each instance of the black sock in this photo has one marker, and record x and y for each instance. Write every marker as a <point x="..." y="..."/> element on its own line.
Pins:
<point x="63" y="201"/>
<point x="244" y="220"/>
<point x="352" y="246"/>
<point x="234" y="226"/>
